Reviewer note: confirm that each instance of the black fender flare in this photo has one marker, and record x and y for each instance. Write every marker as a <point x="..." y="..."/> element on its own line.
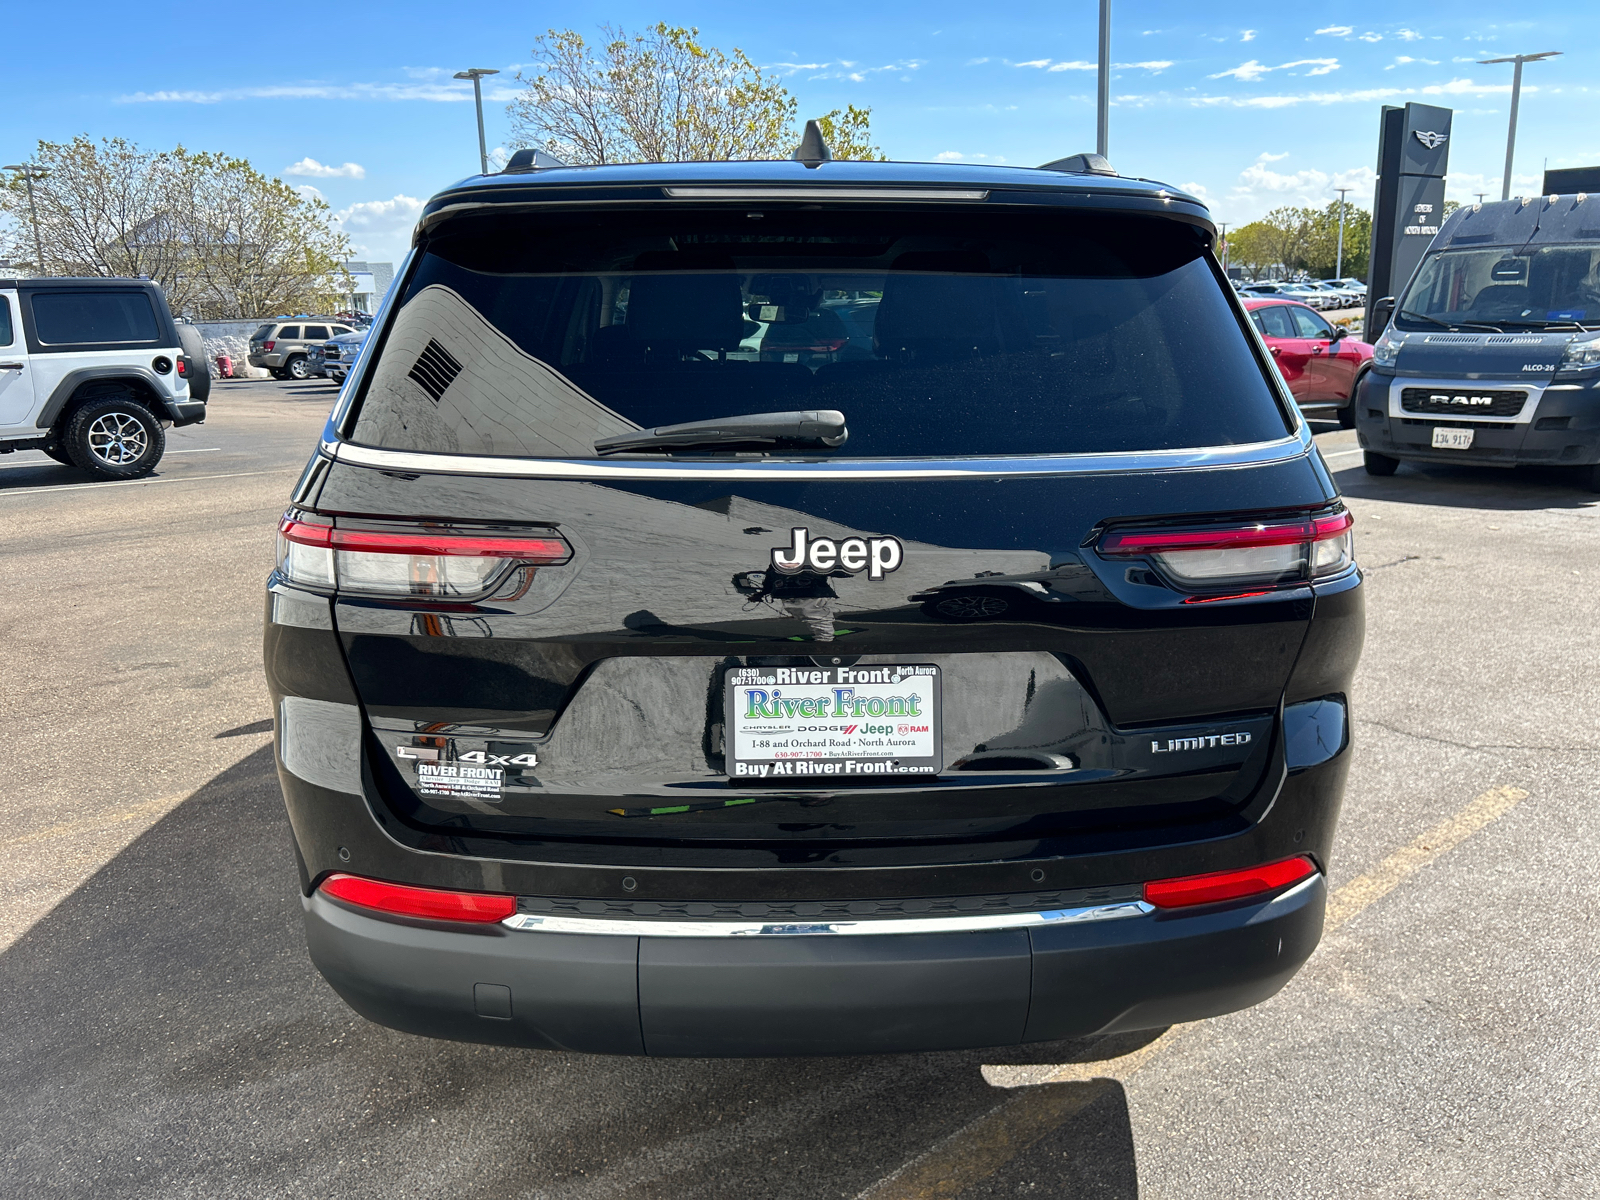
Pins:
<point x="144" y="380"/>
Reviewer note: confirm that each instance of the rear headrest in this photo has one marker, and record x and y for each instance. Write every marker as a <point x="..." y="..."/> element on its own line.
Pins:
<point x="686" y="311"/>
<point x="957" y="312"/>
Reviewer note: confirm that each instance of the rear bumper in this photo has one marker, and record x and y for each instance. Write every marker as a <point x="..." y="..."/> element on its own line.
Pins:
<point x="812" y="995"/>
<point x="186" y="412"/>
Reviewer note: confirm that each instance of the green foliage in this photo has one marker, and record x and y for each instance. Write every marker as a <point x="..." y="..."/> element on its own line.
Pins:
<point x="220" y="237"/>
<point x="662" y="96"/>
<point x="1292" y="241"/>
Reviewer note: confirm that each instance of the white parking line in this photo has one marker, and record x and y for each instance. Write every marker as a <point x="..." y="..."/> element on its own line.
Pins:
<point x="40" y="462"/>
<point x="80" y="487"/>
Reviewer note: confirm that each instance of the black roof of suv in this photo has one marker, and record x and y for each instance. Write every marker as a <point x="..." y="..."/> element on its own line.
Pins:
<point x="631" y="664"/>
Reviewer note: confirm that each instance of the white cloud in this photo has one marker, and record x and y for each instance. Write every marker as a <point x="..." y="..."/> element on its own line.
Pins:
<point x="309" y="192"/>
<point x="1260" y="188"/>
<point x="1155" y="66"/>
<point x="1251" y="71"/>
<point x="1405" y="59"/>
<point x="1268" y="156"/>
<point x="310" y="167"/>
<point x="958" y="156"/>
<point x="1407" y="35"/>
<point x="1336" y="31"/>
<point x="1247" y="35"/>
<point x="950" y="156"/>
<point x="1369" y="36"/>
<point x="451" y="91"/>
<point x="1196" y="189"/>
<point x="1456" y="87"/>
<point x="380" y="229"/>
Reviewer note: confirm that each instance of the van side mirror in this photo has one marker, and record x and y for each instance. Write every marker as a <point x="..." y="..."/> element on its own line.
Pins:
<point x="1382" y="311"/>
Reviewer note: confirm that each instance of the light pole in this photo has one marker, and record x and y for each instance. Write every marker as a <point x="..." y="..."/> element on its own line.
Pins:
<point x="1223" y="226"/>
<point x="1338" y="270"/>
<point x="30" y="174"/>
<point x="475" y="74"/>
<point x="1480" y="196"/>
<point x="1102" y="121"/>
<point x="1516" y="95"/>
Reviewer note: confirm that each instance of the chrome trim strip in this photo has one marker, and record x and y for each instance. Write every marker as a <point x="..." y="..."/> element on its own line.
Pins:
<point x="536" y="923"/>
<point x="1200" y="459"/>
<point x="1529" y="411"/>
<point x="824" y="192"/>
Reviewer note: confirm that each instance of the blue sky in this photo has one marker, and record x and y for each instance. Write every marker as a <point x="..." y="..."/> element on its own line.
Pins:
<point x="1242" y="103"/>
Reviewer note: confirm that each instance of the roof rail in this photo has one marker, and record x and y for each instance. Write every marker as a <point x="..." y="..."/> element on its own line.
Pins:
<point x="1080" y="164"/>
<point x="530" y="160"/>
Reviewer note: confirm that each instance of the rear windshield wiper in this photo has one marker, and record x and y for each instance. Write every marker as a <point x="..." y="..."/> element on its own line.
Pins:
<point x="777" y="430"/>
<point x="1416" y="316"/>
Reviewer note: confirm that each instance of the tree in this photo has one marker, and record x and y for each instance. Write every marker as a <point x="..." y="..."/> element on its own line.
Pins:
<point x="1289" y="241"/>
<point x="222" y="239"/>
<point x="662" y="96"/>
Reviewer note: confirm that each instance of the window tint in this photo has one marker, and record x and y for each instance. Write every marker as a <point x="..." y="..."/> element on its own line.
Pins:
<point x="1274" y="321"/>
<point x="1308" y="324"/>
<point x="289" y="333"/>
<point x="1500" y="286"/>
<point x="65" y="318"/>
<point x="316" y="333"/>
<point x="261" y="334"/>
<point x="936" y="333"/>
<point x="5" y="322"/>
<point x="339" y="329"/>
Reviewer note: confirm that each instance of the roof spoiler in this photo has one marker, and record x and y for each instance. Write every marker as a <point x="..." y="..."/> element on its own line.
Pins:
<point x="1080" y="164"/>
<point x="530" y="160"/>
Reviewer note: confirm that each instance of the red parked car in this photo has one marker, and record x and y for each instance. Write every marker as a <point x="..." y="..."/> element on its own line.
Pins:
<point x="1321" y="363"/>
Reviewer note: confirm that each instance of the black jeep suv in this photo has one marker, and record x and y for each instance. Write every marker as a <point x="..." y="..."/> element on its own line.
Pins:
<point x="643" y="689"/>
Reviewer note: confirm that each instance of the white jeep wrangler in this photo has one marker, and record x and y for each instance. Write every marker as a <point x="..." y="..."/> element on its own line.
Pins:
<point x="93" y="372"/>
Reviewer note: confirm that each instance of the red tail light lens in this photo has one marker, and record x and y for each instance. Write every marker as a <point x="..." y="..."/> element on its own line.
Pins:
<point x="446" y="564"/>
<point x="267" y="346"/>
<point x="1217" y="886"/>
<point x="433" y="903"/>
<point x="1281" y="551"/>
<point x="183" y="368"/>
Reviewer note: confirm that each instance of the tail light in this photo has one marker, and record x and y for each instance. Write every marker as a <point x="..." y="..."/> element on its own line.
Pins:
<point x="1217" y="886"/>
<point x="1279" y="552"/>
<point x="267" y="346"/>
<point x="183" y="367"/>
<point x="438" y="563"/>
<point x="435" y="903"/>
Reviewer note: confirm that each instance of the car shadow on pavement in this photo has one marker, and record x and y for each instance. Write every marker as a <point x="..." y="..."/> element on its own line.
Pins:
<point x="165" y="1034"/>
<point x="1498" y="488"/>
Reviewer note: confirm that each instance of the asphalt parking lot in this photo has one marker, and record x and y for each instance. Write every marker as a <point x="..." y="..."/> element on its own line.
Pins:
<point x="165" y="1034"/>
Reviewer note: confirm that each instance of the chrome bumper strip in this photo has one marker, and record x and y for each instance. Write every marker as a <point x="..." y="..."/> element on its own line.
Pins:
<point x="537" y="923"/>
<point x="1118" y="463"/>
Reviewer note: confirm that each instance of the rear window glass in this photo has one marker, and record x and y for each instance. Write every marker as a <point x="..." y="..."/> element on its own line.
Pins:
<point x="935" y="333"/>
<point x="91" y="318"/>
<point x="261" y="334"/>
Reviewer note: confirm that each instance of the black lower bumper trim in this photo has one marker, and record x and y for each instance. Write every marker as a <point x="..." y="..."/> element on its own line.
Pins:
<point x="812" y="995"/>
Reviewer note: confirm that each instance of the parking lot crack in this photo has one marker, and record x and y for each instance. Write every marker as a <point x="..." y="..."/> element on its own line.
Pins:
<point x="1443" y="741"/>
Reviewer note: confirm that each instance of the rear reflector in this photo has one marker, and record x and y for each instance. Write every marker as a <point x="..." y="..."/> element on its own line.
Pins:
<point x="433" y="903"/>
<point x="1227" y="885"/>
<point x="441" y="563"/>
<point x="1281" y="552"/>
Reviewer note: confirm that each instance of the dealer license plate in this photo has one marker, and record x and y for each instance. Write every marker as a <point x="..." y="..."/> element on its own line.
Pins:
<point x="808" y="723"/>
<point x="1452" y="439"/>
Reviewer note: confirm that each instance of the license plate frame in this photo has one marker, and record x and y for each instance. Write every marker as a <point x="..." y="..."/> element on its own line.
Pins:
<point x="766" y="738"/>
<point x="1445" y="438"/>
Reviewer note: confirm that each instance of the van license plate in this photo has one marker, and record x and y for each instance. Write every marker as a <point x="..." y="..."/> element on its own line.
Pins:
<point x="1453" y="439"/>
<point x="807" y="723"/>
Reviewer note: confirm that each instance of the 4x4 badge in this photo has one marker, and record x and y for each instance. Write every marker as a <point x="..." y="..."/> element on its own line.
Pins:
<point x="877" y="556"/>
